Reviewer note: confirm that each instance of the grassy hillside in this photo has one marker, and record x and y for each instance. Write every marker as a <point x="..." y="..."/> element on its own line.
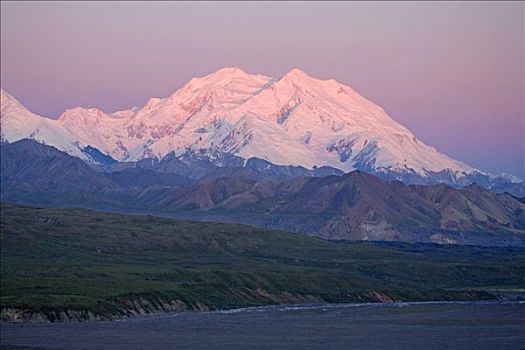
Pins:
<point x="75" y="259"/>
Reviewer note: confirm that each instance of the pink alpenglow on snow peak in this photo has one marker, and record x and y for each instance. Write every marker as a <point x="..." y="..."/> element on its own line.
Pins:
<point x="453" y="72"/>
<point x="293" y="120"/>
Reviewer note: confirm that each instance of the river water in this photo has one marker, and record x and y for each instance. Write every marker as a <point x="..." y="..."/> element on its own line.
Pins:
<point x="435" y="325"/>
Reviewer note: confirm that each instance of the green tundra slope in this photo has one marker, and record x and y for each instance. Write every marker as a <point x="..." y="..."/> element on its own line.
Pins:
<point x="61" y="264"/>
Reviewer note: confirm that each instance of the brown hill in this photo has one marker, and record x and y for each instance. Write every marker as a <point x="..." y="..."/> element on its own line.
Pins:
<point x="359" y="206"/>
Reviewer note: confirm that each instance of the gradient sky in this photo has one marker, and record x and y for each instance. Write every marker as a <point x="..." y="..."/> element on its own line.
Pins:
<point x="452" y="72"/>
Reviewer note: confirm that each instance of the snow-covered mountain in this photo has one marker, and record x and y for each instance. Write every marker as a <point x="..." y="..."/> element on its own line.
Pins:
<point x="17" y="123"/>
<point x="292" y="120"/>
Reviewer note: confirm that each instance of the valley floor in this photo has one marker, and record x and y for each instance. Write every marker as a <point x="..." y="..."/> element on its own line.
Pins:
<point x="76" y="264"/>
<point x="436" y="325"/>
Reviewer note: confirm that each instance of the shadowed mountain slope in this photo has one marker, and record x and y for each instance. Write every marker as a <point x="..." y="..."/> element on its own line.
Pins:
<point x="355" y="206"/>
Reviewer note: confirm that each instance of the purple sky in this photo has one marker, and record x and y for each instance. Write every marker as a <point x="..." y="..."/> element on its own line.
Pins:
<point x="452" y="72"/>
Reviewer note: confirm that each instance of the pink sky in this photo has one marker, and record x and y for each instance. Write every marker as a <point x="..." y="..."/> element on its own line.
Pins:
<point x="452" y="72"/>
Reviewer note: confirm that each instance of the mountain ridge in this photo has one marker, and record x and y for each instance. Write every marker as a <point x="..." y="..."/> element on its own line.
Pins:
<point x="294" y="120"/>
<point x="354" y="206"/>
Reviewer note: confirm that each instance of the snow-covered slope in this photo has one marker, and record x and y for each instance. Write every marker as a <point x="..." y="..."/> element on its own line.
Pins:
<point x="18" y="123"/>
<point x="93" y="127"/>
<point x="292" y="120"/>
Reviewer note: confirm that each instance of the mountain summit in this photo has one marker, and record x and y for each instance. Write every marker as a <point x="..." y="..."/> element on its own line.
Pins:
<point x="293" y="120"/>
<point x="17" y="123"/>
